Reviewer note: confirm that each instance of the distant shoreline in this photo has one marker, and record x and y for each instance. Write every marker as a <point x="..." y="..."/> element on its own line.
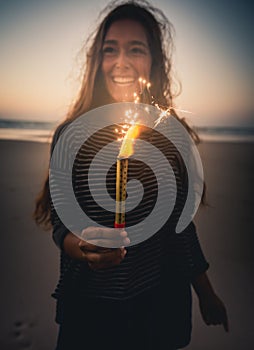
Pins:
<point x="45" y="135"/>
<point x="43" y="131"/>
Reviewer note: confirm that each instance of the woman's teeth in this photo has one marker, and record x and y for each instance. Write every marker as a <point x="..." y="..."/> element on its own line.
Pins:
<point x="123" y="81"/>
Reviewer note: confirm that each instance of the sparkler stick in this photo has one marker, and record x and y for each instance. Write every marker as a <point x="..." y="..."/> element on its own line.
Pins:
<point x="122" y="174"/>
<point x="121" y="183"/>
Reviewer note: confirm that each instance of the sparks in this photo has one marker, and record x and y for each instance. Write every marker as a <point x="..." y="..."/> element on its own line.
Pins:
<point x="182" y="110"/>
<point x="163" y="115"/>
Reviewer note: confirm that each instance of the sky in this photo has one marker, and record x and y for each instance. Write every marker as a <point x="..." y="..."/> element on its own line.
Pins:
<point x="213" y="57"/>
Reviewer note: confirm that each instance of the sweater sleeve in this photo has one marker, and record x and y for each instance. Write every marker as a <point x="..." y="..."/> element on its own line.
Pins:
<point x="59" y="229"/>
<point x="196" y="259"/>
<point x="193" y="252"/>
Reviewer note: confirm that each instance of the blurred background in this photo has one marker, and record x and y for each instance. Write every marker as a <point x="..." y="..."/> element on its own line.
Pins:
<point x="213" y="57"/>
<point x="39" y="72"/>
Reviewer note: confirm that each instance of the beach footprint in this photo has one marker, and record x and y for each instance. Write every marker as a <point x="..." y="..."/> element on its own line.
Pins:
<point x="21" y="334"/>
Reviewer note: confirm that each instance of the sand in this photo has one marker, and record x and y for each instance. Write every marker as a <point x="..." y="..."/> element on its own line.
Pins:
<point x="29" y="258"/>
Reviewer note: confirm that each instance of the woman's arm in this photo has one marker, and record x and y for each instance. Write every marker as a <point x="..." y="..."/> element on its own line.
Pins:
<point x="202" y="285"/>
<point x="212" y="308"/>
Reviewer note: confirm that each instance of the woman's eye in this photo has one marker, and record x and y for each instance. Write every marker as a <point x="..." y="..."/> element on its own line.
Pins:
<point x="109" y="50"/>
<point x="138" y="50"/>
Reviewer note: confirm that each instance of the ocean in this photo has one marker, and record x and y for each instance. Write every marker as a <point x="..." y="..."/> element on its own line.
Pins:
<point x="43" y="131"/>
<point x="24" y="130"/>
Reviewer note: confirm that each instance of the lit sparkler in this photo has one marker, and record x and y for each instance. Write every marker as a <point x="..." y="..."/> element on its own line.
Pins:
<point x="126" y="150"/>
<point x="127" y="133"/>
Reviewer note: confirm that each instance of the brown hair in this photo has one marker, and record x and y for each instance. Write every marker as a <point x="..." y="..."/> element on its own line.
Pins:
<point x="93" y="92"/>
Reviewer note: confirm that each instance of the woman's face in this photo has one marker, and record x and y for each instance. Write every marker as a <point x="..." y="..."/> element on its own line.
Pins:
<point x="126" y="58"/>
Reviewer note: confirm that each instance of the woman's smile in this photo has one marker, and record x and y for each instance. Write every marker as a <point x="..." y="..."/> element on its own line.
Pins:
<point x="124" y="81"/>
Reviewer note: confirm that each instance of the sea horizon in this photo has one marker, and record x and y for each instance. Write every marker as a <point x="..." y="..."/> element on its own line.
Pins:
<point x="40" y="131"/>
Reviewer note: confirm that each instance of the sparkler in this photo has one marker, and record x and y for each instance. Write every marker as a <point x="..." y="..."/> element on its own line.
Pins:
<point x="128" y="133"/>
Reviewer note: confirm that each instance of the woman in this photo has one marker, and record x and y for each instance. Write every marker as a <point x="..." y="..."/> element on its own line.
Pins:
<point x="113" y="298"/>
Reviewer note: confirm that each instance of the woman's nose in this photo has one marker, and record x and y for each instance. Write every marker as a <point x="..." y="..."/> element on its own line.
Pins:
<point x="122" y="60"/>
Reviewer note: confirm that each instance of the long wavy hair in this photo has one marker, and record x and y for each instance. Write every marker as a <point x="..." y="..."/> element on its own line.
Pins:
<point x="93" y="93"/>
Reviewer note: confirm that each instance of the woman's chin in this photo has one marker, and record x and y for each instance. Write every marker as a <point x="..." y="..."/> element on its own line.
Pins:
<point x="124" y="98"/>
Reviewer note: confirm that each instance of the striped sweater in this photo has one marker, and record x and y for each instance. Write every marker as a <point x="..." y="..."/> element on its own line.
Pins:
<point x="147" y="264"/>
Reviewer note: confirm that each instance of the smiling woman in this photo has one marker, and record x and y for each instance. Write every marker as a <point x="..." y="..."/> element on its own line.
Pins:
<point x="133" y="297"/>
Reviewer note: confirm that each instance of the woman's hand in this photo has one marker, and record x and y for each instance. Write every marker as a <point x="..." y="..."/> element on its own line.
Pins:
<point x="97" y="246"/>
<point x="213" y="310"/>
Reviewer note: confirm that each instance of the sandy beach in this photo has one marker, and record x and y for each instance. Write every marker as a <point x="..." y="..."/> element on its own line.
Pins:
<point x="29" y="258"/>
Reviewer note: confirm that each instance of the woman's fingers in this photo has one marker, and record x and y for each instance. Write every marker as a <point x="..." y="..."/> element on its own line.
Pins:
<point x="104" y="243"/>
<point x="214" y="312"/>
<point x="220" y="315"/>
<point x="88" y="247"/>
<point x="103" y="257"/>
<point x="98" y="246"/>
<point x="105" y="237"/>
<point x="104" y="260"/>
<point x="222" y="318"/>
<point x="98" y="232"/>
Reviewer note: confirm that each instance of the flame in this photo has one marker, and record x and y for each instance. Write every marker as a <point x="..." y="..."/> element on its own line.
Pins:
<point x="127" y="147"/>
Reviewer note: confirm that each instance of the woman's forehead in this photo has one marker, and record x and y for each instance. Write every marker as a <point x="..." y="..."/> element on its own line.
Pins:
<point x="126" y="30"/>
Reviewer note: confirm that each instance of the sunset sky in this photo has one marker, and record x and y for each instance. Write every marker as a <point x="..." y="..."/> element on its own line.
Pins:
<point x="213" y="58"/>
